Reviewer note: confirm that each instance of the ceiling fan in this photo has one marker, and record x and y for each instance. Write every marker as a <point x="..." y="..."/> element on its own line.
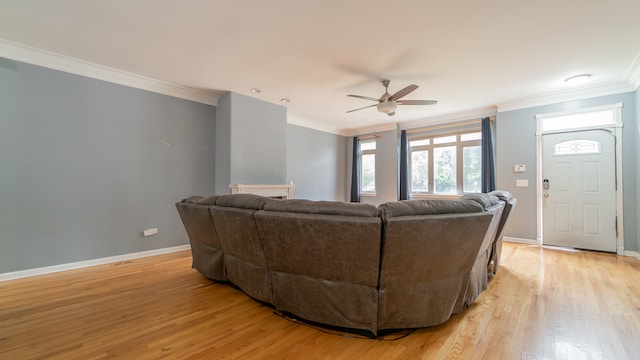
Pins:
<point x="388" y="103"/>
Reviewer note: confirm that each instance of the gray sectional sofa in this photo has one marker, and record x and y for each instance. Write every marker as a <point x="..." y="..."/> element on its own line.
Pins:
<point x="403" y="264"/>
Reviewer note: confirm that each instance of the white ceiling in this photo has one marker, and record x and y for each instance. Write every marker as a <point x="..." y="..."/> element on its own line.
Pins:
<point x="468" y="55"/>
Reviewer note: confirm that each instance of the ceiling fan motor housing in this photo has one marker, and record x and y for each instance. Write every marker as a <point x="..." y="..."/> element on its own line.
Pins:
<point x="387" y="106"/>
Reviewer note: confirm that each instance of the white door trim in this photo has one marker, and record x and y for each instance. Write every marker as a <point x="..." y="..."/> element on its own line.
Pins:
<point x="616" y="129"/>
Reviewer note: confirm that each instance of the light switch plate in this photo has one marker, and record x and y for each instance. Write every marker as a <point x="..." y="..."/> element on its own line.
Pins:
<point x="522" y="183"/>
<point x="150" y="232"/>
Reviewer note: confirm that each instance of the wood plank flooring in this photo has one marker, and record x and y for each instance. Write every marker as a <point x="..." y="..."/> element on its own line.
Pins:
<point x="542" y="304"/>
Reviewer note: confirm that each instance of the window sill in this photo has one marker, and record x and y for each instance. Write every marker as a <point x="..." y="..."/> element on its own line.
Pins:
<point x="368" y="194"/>
<point x="436" y="196"/>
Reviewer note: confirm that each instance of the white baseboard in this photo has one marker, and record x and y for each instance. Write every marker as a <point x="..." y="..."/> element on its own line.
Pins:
<point x="520" y="240"/>
<point x="87" y="263"/>
<point x="634" y="254"/>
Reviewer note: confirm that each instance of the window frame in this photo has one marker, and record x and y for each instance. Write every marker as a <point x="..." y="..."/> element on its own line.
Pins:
<point x="430" y="148"/>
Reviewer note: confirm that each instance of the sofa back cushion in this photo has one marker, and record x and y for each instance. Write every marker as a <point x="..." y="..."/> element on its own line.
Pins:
<point x="425" y="266"/>
<point x="486" y="200"/>
<point x="492" y="205"/>
<point x="242" y="201"/>
<point x="244" y="260"/>
<point x="330" y="247"/>
<point x="322" y="207"/>
<point x="510" y="204"/>
<point x="324" y="266"/>
<point x="206" y="248"/>
<point x="428" y="207"/>
<point x="197" y="221"/>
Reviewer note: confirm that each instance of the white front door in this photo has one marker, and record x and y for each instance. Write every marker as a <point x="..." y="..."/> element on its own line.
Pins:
<point x="579" y="190"/>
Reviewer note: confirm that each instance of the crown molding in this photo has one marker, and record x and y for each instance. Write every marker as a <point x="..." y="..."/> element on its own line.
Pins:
<point x="480" y="113"/>
<point x="370" y="129"/>
<point x="55" y="61"/>
<point x="315" y="125"/>
<point x="633" y="73"/>
<point x="558" y="97"/>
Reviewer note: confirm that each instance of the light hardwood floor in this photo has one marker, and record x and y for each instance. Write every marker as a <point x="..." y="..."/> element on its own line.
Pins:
<point x="542" y="304"/>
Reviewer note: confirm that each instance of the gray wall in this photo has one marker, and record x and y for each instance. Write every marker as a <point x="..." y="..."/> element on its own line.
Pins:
<point x="516" y="144"/>
<point x="637" y="158"/>
<point x="86" y="165"/>
<point x="223" y="145"/>
<point x="251" y="139"/>
<point x="316" y="163"/>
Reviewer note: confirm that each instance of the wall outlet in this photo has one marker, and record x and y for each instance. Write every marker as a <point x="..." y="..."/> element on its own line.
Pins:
<point x="150" y="232"/>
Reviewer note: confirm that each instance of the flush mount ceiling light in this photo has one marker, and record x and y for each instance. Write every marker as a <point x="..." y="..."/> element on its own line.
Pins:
<point x="285" y="100"/>
<point x="255" y="90"/>
<point x="577" y="80"/>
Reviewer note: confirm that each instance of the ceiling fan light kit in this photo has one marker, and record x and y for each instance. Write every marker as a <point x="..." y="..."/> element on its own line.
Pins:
<point x="388" y="103"/>
<point x="387" y="107"/>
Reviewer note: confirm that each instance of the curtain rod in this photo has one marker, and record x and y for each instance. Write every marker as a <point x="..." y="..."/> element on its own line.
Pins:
<point x="444" y="126"/>
<point x="368" y="136"/>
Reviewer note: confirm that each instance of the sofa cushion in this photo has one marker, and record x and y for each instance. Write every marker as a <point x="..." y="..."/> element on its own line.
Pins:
<point x="322" y="207"/>
<point x="502" y="195"/>
<point x="486" y="200"/>
<point x="242" y="201"/>
<point x="193" y="199"/>
<point x="428" y="207"/>
<point x="205" y="243"/>
<point x="209" y="200"/>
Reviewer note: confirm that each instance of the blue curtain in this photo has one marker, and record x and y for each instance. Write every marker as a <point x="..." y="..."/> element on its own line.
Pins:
<point x="404" y="164"/>
<point x="488" y="166"/>
<point x="355" y="172"/>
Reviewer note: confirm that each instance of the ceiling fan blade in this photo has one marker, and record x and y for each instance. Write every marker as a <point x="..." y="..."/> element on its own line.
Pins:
<point x="404" y="92"/>
<point x="365" y="97"/>
<point x="363" y="107"/>
<point x="416" y="102"/>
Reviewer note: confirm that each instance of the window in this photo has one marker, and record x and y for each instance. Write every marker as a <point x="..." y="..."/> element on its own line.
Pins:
<point x="577" y="147"/>
<point x="446" y="164"/>
<point x="368" y="167"/>
<point x="578" y="120"/>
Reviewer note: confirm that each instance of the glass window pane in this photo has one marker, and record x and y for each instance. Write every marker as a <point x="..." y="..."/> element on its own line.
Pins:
<point x="471" y="168"/>
<point x="368" y="180"/>
<point x="578" y="120"/>
<point x="575" y="147"/>
<point x="420" y="142"/>
<point x="369" y="145"/>
<point x="420" y="171"/>
<point x="444" y="139"/>
<point x="472" y="136"/>
<point x="444" y="168"/>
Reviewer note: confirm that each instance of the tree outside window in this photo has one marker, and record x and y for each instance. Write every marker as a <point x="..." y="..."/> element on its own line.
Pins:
<point x="420" y="171"/>
<point x="472" y="169"/>
<point x="368" y="166"/>
<point x="445" y="170"/>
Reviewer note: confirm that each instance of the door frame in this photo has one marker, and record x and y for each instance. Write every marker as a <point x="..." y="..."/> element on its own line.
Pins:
<point x="616" y="130"/>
